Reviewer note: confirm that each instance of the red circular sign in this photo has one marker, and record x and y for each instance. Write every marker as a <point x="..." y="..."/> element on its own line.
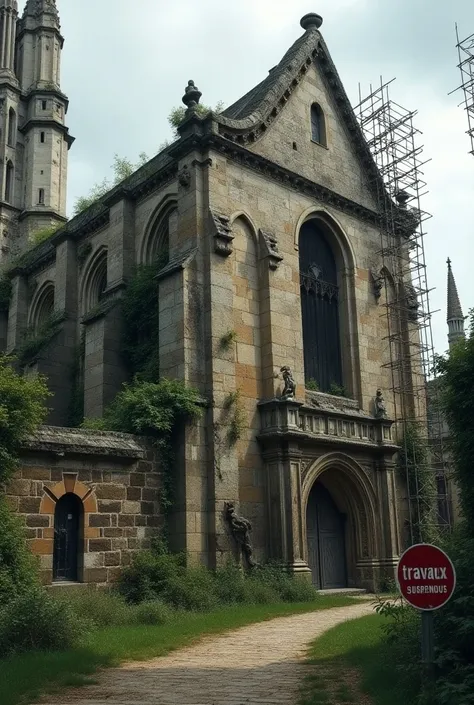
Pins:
<point x="426" y="576"/>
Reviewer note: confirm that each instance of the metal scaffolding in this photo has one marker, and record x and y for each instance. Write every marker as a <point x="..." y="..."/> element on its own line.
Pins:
<point x="466" y="66"/>
<point x="400" y="186"/>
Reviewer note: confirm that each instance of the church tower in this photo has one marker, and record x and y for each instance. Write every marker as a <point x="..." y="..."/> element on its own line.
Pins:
<point x="34" y="140"/>
<point x="455" y="318"/>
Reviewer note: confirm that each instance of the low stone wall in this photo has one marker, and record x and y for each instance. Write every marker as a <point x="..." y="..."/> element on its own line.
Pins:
<point x="117" y="482"/>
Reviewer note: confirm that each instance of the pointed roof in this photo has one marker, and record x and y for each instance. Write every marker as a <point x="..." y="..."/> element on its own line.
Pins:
<point x="454" y="305"/>
<point x="247" y="120"/>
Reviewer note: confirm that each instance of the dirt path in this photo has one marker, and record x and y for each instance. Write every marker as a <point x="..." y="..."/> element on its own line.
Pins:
<point x="256" y="665"/>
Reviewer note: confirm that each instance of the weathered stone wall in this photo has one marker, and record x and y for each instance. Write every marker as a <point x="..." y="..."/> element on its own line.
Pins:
<point x="117" y="480"/>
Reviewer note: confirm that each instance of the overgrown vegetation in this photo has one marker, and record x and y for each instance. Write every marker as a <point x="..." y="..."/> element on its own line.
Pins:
<point x="166" y="577"/>
<point x="5" y="291"/>
<point x="237" y="418"/>
<point x="140" y="309"/>
<point x="43" y="234"/>
<point x="454" y="623"/>
<point x="228" y="340"/>
<point x="178" y="114"/>
<point x="157" y="410"/>
<point x="38" y="340"/>
<point x="122" y="168"/>
<point x="415" y="467"/>
<point x="312" y="385"/>
<point x="337" y="390"/>
<point x="22" y="409"/>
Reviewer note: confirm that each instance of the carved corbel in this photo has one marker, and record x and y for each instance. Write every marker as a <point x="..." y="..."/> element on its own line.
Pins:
<point x="223" y="238"/>
<point x="184" y="177"/>
<point x="269" y="248"/>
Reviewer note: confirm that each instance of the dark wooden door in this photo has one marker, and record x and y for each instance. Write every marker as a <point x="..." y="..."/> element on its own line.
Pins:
<point x="66" y="537"/>
<point x="326" y="545"/>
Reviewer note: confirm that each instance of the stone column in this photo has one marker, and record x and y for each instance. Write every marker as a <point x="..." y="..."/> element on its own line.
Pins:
<point x="282" y="458"/>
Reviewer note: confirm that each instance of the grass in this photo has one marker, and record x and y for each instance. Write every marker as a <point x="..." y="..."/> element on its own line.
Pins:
<point x="25" y="677"/>
<point x="353" y="664"/>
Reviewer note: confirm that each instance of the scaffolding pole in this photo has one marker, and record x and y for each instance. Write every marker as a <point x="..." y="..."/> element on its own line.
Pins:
<point x="393" y="140"/>
<point x="466" y="67"/>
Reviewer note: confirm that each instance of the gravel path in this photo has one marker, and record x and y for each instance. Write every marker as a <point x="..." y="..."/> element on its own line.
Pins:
<point x="261" y="664"/>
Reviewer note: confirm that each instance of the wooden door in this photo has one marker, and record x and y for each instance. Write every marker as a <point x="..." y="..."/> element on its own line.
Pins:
<point x="66" y="537"/>
<point x="326" y="545"/>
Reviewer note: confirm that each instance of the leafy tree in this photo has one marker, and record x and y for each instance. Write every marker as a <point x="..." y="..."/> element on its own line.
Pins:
<point x="122" y="169"/>
<point x="22" y="409"/>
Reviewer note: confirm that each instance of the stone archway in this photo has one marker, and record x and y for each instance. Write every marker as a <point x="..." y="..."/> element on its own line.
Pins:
<point x="348" y="539"/>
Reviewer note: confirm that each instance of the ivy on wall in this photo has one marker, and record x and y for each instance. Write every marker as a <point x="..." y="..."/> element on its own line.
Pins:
<point x="414" y="464"/>
<point x="37" y="340"/>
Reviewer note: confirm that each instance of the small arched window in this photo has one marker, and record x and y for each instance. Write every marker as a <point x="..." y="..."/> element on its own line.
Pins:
<point x="318" y="125"/>
<point x="68" y="520"/>
<point x="11" y="127"/>
<point x="9" y="182"/>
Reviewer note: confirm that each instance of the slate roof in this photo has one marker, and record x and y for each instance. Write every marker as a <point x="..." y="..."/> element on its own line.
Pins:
<point x="246" y="105"/>
<point x="55" y="439"/>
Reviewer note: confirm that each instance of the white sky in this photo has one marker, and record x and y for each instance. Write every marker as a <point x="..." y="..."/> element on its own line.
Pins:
<point x="125" y="65"/>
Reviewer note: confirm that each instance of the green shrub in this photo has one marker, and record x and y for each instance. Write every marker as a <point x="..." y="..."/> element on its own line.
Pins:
<point x="165" y="577"/>
<point x="151" y="612"/>
<point x="101" y="608"/>
<point x="18" y="569"/>
<point x="35" y="621"/>
<point x="22" y="409"/>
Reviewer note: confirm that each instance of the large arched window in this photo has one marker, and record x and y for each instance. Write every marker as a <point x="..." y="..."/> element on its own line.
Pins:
<point x="11" y="127"/>
<point x="157" y="239"/>
<point x="319" y="308"/>
<point x="318" y="125"/>
<point x="9" y="174"/>
<point x="43" y="306"/>
<point x="95" y="282"/>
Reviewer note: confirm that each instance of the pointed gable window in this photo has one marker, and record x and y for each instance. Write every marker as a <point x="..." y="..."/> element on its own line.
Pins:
<point x="318" y="125"/>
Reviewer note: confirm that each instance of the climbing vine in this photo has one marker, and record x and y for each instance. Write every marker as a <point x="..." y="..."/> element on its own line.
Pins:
<point x="141" y="321"/>
<point x="158" y="410"/>
<point x="37" y="340"/>
<point x="414" y="464"/>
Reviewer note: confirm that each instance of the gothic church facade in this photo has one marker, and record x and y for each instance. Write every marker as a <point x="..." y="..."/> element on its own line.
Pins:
<point x="267" y="213"/>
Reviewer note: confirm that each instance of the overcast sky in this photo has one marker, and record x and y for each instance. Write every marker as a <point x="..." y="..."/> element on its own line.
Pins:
<point x="125" y="64"/>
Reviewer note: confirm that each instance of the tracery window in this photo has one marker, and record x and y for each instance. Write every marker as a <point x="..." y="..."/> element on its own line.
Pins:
<point x="319" y="308"/>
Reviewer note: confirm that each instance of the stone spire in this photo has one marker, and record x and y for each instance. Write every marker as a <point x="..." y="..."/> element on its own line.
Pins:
<point x="40" y="12"/>
<point x="455" y="316"/>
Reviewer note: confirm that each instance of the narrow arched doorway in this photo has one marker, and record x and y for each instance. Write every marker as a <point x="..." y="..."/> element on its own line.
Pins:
<point x="67" y="530"/>
<point x="325" y="527"/>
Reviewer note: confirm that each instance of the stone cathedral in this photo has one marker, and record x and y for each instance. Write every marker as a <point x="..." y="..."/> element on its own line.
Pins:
<point x="268" y="215"/>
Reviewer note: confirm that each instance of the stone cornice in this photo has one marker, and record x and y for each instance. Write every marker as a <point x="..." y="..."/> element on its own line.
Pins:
<point x="48" y="122"/>
<point x="59" y="441"/>
<point x="288" y="178"/>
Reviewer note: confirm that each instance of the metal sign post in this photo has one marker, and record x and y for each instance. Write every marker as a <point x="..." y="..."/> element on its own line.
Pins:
<point x="426" y="578"/>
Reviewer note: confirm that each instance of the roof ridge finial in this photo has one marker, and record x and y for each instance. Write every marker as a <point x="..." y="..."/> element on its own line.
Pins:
<point x="191" y="98"/>
<point x="311" y="21"/>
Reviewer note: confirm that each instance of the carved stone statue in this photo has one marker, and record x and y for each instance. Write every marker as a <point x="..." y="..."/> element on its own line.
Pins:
<point x="289" y="390"/>
<point x="380" y="408"/>
<point x="240" y="529"/>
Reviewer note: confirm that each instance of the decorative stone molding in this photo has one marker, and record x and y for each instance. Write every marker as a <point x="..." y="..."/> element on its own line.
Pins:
<point x="328" y="425"/>
<point x="69" y="484"/>
<point x="223" y="237"/>
<point x="269" y="249"/>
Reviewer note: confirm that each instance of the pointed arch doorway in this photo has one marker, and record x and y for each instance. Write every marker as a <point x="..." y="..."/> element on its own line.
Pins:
<point x="325" y="528"/>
